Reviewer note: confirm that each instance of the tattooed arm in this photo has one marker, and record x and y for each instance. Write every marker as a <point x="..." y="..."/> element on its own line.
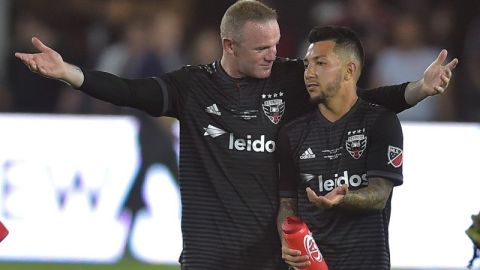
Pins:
<point x="372" y="197"/>
<point x="288" y="207"/>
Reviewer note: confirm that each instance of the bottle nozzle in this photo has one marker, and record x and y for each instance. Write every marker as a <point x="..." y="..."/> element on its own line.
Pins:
<point x="292" y="224"/>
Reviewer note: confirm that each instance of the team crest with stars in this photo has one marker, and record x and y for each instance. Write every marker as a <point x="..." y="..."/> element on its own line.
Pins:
<point x="273" y="106"/>
<point x="356" y="143"/>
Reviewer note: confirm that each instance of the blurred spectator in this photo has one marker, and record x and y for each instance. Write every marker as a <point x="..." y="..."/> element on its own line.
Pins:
<point x="372" y="20"/>
<point x="469" y="109"/>
<point x="205" y="47"/>
<point x="405" y="60"/>
<point x="322" y="13"/>
<point x="86" y="27"/>
<point x="126" y="57"/>
<point x="441" y="24"/>
<point x="165" y="40"/>
<point x="122" y="57"/>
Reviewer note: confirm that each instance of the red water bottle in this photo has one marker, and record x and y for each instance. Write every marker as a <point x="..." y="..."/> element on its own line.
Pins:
<point x="3" y="231"/>
<point x="299" y="237"/>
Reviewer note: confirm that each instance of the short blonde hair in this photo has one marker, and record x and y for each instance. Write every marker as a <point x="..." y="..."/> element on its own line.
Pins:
<point x="242" y="12"/>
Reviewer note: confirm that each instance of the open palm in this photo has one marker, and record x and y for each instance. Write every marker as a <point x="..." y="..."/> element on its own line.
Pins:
<point x="330" y="199"/>
<point x="46" y="62"/>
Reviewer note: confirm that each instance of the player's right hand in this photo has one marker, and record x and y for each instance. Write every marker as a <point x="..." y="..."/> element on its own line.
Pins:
<point x="47" y="62"/>
<point x="330" y="199"/>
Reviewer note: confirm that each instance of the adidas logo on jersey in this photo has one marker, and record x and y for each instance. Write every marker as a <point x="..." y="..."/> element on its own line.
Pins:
<point x="213" y="109"/>
<point x="308" y="154"/>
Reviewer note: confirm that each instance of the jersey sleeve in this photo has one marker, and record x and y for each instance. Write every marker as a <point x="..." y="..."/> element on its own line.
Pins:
<point x="143" y="94"/>
<point x="385" y="154"/>
<point x="391" y="97"/>
<point x="288" y="173"/>
<point x="174" y="85"/>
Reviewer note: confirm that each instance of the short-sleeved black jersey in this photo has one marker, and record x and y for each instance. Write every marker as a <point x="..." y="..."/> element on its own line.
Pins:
<point x="366" y="142"/>
<point x="227" y="170"/>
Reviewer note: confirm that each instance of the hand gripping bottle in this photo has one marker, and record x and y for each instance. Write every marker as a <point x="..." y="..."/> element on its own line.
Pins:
<point x="299" y="237"/>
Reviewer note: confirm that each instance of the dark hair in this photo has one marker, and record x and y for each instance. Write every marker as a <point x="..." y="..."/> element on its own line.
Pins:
<point x="344" y="38"/>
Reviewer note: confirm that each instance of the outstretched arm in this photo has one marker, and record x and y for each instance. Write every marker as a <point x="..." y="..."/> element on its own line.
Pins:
<point x="398" y="98"/>
<point x="49" y="63"/>
<point x="143" y="94"/>
<point x="372" y="197"/>
<point x="435" y="80"/>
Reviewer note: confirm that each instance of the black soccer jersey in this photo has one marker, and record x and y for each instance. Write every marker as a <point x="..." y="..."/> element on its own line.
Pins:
<point x="228" y="173"/>
<point x="366" y="142"/>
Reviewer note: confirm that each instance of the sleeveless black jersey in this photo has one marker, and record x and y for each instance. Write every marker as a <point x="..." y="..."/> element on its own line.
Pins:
<point x="228" y="173"/>
<point x="366" y="142"/>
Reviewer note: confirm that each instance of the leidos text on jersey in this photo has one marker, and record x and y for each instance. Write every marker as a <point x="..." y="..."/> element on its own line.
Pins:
<point x="354" y="180"/>
<point x="242" y="144"/>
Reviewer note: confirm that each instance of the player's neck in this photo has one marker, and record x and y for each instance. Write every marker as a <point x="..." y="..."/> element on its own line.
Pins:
<point x="229" y="68"/>
<point x="337" y="106"/>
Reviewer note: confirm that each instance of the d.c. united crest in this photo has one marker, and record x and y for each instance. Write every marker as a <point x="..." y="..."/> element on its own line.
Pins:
<point x="356" y="143"/>
<point x="273" y="108"/>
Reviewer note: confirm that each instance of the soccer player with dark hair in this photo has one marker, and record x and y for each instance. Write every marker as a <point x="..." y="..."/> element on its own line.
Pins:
<point x="339" y="163"/>
<point x="229" y="112"/>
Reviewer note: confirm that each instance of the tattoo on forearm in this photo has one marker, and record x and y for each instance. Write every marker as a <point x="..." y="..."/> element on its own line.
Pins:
<point x="288" y="207"/>
<point x="373" y="197"/>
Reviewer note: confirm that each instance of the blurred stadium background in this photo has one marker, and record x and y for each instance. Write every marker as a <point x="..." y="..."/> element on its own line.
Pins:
<point x="141" y="38"/>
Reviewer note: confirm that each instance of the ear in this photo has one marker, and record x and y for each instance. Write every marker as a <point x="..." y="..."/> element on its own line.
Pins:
<point x="227" y="45"/>
<point x="351" y="71"/>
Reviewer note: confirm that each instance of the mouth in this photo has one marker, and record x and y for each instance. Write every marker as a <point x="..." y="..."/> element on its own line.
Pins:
<point x="311" y="86"/>
<point x="266" y="66"/>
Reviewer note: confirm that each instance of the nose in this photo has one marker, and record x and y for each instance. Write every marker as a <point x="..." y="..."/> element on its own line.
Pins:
<point x="309" y="71"/>
<point x="271" y="54"/>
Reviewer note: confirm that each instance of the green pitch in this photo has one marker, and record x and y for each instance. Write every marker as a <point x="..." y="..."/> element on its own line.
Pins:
<point x="124" y="264"/>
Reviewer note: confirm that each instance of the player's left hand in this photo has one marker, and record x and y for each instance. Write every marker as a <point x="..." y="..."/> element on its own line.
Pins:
<point x="330" y="199"/>
<point x="436" y="77"/>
